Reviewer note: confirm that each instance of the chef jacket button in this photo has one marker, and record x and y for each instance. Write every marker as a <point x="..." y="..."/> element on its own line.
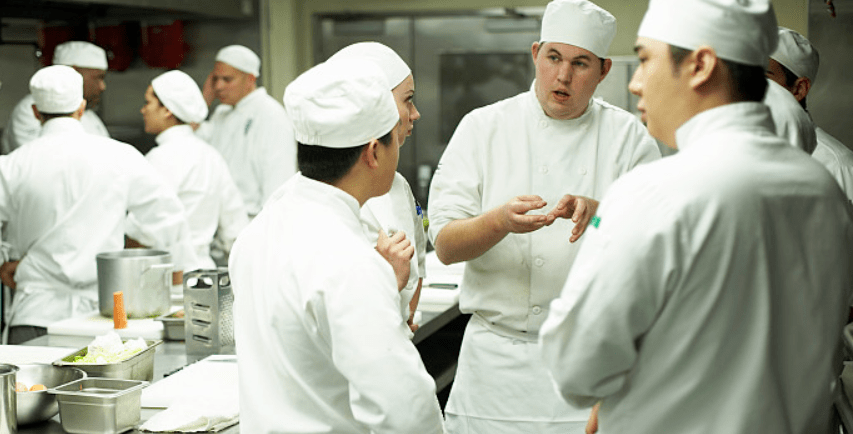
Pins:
<point x="536" y="310"/>
<point x="543" y="169"/>
<point x="543" y="124"/>
<point x="583" y="171"/>
<point x="538" y="262"/>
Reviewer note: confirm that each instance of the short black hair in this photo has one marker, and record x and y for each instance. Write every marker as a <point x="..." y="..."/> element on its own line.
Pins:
<point x="749" y="82"/>
<point x="48" y="116"/>
<point x="330" y="164"/>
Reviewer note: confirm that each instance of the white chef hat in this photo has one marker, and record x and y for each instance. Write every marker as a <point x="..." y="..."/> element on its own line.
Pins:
<point x="81" y="54"/>
<point x="241" y="58"/>
<point x="579" y="23"/>
<point x="180" y="94"/>
<point x="742" y="31"/>
<point x="341" y="104"/>
<point x="385" y="58"/>
<point x="796" y="53"/>
<point x="57" y="89"/>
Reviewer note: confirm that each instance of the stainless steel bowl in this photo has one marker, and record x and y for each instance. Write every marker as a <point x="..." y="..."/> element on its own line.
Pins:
<point x="39" y="406"/>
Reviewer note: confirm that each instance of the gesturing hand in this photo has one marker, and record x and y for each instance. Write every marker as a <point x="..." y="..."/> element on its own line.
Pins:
<point x="513" y="215"/>
<point x="398" y="251"/>
<point x="577" y="208"/>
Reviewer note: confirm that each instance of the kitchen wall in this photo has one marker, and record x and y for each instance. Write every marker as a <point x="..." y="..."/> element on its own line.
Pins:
<point x="829" y="99"/>
<point x="288" y="33"/>
<point x="123" y="98"/>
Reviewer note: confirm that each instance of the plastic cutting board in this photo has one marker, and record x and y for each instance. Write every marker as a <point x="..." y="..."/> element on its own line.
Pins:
<point x="97" y="325"/>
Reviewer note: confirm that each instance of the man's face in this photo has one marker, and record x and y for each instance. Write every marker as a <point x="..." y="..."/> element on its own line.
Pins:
<point x="404" y="95"/>
<point x="660" y="86"/>
<point x="93" y="85"/>
<point x="566" y="78"/>
<point x="154" y="113"/>
<point x="230" y="84"/>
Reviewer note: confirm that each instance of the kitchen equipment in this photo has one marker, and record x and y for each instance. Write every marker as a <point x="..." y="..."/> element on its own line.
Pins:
<point x="99" y="405"/>
<point x="39" y="406"/>
<point x="98" y="325"/>
<point x="208" y="302"/>
<point x="143" y="275"/>
<point x="138" y="367"/>
<point x="173" y="326"/>
<point x="8" y="400"/>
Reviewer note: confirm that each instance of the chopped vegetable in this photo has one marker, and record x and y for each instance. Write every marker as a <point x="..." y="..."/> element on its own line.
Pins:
<point x="110" y="349"/>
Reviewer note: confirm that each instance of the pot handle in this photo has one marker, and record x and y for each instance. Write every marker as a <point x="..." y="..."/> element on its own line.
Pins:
<point x="167" y="277"/>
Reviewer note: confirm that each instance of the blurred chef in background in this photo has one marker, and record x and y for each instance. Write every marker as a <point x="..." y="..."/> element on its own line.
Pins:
<point x="249" y="128"/>
<point x="194" y="170"/>
<point x="396" y="213"/>
<point x="317" y="309"/>
<point x="504" y="164"/>
<point x="794" y="66"/>
<point x="63" y="199"/>
<point x="90" y="61"/>
<point x="711" y="294"/>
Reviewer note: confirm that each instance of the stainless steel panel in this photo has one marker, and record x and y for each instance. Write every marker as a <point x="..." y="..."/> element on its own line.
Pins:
<point x="829" y="99"/>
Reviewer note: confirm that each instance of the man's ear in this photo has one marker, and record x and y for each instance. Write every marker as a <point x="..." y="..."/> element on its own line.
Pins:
<point x="370" y="154"/>
<point x="79" y="112"/>
<point x="702" y="63"/>
<point x="801" y="88"/>
<point x="37" y="114"/>
<point x="605" y="69"/>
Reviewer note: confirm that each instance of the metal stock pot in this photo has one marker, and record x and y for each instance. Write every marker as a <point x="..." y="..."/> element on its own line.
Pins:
<point x="143" y="275"/>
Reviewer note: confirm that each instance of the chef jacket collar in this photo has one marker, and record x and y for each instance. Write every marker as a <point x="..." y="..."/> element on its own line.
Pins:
<point x="545" y="120"/>
<point x="740" y="115"/>
<point x="173" y="134"/>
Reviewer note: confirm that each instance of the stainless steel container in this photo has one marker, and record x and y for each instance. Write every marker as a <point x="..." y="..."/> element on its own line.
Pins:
<point x="208" y="302"/>
<point x="139" y="367"/>
<point x="8" y="400"/>
<point x="39" y="406"/>
<point x="143" y="275"/>
<point x="173" y="326"/>
<point x="99" y="405"/>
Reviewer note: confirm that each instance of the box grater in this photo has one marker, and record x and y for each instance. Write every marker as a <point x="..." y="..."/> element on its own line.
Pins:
<point x="208" y="321"/>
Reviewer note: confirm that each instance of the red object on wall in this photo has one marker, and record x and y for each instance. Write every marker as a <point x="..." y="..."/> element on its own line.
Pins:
<point x="114" y="39"/>
<point x="51" y="36"/>
<point x="162" y="46"/>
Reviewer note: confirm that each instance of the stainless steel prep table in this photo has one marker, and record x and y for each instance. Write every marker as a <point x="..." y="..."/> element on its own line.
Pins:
<point x="171" y="356"/>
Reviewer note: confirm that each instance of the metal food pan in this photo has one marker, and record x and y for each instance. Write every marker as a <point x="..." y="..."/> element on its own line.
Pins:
<point x="99" y="405"/>
<point x="139" y="367"/>
<point x="173" y="327"/>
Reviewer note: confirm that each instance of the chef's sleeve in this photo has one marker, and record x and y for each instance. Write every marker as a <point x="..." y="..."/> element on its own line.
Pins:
<point x="232" y="211"/>
<point x="157" y="212"/>
<point x="456" y="189"/>
<point x="390" y="390"/>
<point x="615" y="289"/>
<point x="23" y="127"/>
<point x="275" y="159"/>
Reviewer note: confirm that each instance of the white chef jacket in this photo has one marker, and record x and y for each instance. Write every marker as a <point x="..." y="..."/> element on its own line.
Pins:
<point x="397" y="210"/>
<point x="63" y="198"/>
<point x="792" y="122"/>
<point x="837" y="158"/>
<point x="23" y="126"/>
<point x="711" y="296"/>
<point x="321" y="346"/>
<point x="200" y="177"/>
<point x="256" y="138"/>
<point x="500" y="151"/>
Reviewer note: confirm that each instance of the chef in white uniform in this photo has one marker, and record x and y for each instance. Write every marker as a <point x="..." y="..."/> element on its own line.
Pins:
<point x="792" y="123"/>
<point x="63" y="199"/>
<point x="396" y="213"/>
<point x="249" y="128"/>
<point x="194" y="170"/>
<point x="794" y="66"/>
<point x="710" y="293"/>
<point x="316" y="307"/>
<point x="90" y="61"/>
<point x="503" y="178"/>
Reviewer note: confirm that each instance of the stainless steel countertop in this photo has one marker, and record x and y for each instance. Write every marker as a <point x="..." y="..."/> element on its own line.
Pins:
<point x="171" y="356"/>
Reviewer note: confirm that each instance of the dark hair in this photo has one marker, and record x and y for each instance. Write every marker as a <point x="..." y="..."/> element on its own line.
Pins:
<point x="749" y="82"/>
<point x="48" y="116"/>
<point x="160" y="101"/>
<point x="330" y="164"/>
<point x="791" y="80"/>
